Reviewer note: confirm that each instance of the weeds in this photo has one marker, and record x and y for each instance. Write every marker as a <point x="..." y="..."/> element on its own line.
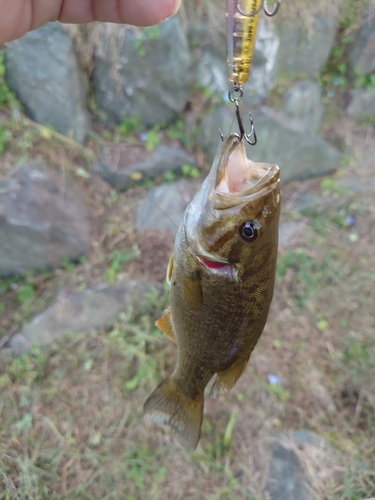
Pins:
<point x="130" y="125"/>
<point x="117" y="259"/>
<point x="6" y="96"/>
<point x="358" y="486"/>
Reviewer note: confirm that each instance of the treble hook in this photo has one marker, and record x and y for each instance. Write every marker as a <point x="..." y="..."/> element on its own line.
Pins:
<point x="268" y="13"/>
<point x="252" y="132"/>
<point x="238" y="88"/>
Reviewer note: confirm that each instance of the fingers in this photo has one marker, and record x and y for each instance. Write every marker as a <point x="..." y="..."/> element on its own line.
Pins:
<point x="136" y="12"/>
<point x="17" y="17"/>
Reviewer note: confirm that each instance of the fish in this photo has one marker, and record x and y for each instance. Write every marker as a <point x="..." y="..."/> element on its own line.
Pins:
<point x="221" y="277"/>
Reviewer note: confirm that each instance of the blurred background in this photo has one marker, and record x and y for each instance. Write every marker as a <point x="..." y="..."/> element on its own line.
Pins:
<point x="106" y="132"/>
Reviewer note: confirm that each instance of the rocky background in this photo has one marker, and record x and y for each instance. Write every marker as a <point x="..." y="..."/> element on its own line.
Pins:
<point x="105" y="134"/>
<point x="169" y="82"/>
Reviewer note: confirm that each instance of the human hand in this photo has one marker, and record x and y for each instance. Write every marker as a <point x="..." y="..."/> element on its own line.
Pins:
<point x="17" y="17"/>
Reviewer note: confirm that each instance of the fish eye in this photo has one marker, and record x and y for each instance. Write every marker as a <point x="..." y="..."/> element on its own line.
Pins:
<point x="249" y="230"/>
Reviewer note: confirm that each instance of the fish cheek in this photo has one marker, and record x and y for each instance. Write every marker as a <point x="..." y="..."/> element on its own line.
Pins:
<point x="191" y="283"/>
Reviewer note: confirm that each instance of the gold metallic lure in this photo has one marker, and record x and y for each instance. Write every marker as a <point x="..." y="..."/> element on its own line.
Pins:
<point x="222" y="276"/>
<point x="241" y="35"/>
<point x="242" y="25"/>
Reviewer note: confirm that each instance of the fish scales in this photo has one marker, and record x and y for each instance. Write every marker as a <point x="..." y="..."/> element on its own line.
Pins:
<point x="222" y="277"/>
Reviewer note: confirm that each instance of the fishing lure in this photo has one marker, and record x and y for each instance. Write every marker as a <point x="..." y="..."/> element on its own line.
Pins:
<point x="242" y="25"/>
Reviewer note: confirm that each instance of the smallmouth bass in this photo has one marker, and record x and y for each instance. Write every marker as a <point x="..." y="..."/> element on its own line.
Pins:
<point x="222" y="276"/>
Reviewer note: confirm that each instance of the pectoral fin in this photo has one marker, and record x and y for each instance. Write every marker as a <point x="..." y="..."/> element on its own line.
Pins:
<point x="170" y="270"/>
<point x="166" y="325"/>
<point x="226" y="379"/>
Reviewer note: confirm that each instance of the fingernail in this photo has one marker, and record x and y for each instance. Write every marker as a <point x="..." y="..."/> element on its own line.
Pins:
<point x="177" y="7"/>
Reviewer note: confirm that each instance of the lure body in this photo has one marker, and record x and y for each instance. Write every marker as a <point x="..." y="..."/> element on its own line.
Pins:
<point x="241" y="36"/>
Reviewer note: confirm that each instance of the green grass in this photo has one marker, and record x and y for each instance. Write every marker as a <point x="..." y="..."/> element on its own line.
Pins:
<point x="358" y="486"/>
<point x="7" y="98"/>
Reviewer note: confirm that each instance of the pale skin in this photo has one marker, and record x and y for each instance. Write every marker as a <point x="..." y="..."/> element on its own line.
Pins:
<point x="17" y="17"/>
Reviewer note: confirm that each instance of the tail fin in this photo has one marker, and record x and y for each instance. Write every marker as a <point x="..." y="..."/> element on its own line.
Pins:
<point x="168" y="404"/>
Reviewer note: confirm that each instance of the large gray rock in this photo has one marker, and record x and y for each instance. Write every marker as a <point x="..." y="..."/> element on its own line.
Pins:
<point x="78" y="312"/>
<point x="124" y="164"/>
<point x="362" y="104"/>
<point x="300" y="155"/>
<point x="286" y="478"/>
<point x="164" y="206"/>
<point x="142" y="73"/>
<point x="211" y="68"/>
<point x="301" y="52"/>
<point x="362" y="52"/>
<point x="42" y="220"/>
<point x="42" y="69"/>
<point x="303" y="102"/>
<point x="294" y="458"/>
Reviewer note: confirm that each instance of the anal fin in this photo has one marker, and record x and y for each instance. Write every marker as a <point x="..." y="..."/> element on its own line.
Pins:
<point x="165" y="324"/>
<point x="226" y="379"/>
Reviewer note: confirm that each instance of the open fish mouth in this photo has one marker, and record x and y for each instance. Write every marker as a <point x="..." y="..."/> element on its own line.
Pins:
<point x="239" y="179"/>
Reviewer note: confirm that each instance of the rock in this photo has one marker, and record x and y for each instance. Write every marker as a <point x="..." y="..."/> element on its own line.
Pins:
<point x="42" y="69"/>
<point x="209" y="60"/>
<point x="211" y="68"/>
<point x="286" y="478"/>
<point x="293" y="457"/>
<point x="362" y="104"/>
<point x="78" y="312"/>
<point x="142" y="73"/>
<point x="264" y="65"/>
<point x="362" y="50"/>
<point x="303" y="53"/>
<point x="303" y="102"/>
<point x="349" y="189"/>
<point x="43" y="219"/>
<point x="124" y="164"/>
<point x="165" y="205"/>
<point x="299" y="155"/>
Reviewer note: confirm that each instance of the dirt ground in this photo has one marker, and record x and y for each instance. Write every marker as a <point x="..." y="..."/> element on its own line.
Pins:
<point x="71" y="414"/>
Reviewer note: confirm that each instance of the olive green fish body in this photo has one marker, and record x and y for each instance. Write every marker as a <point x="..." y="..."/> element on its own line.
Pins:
<point x="222" y="278"/>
